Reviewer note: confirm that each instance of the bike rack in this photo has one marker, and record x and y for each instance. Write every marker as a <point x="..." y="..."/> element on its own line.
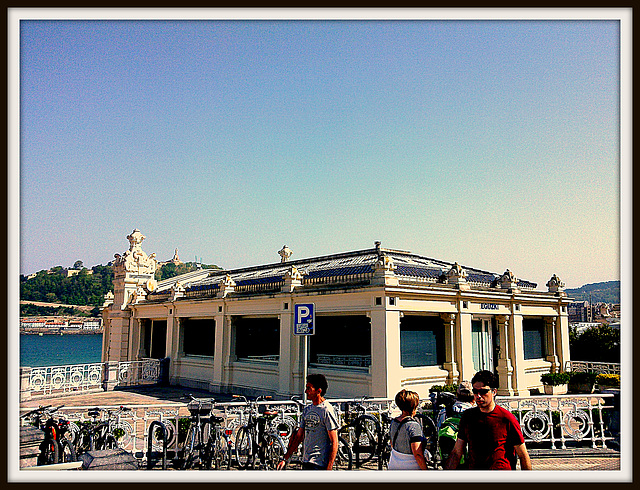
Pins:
<point x="165" y="436"/>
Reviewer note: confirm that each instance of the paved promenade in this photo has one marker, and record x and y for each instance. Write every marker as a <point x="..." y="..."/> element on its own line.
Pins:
<point x="543" y="460"/>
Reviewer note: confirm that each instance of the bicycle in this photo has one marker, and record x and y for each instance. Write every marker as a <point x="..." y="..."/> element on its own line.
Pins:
<point x="55" y="448"/>
<point x="361" y="431"/>
<point x="256" y="438"/>
<point x="218" y="450"/>
<point x="194" y="448"/>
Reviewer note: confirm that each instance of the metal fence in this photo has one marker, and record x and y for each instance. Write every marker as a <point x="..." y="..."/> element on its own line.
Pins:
<point x="556" y="422"/>
<point x="39" y="382"/>
<point x="596" y="367"/>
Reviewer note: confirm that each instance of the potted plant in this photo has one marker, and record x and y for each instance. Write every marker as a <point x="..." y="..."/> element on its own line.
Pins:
<point x="582" y="382"/>
<point x="555" y="383"/>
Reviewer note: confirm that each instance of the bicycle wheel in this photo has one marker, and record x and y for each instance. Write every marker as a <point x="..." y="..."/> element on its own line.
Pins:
<point x="222" y="453"/>
<point x="384" y="452"/>
<point x="430" y="434"/>
<point x="67" y="451"/>
<point x="189" y="448"/>
<point x="244" y="448"/>
<point x="110" y="442"/>
<point x="344" y="457"/>
<point x="49" y="453"/>
<point x="273" y="451"/>
<point x="366" y="442"/>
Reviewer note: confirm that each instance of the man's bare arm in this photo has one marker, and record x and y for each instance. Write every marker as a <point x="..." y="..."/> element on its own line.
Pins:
<point x="333" y="437"/>
<point x="294" y="442"/>
<point x="523" y="454"/>
<point x="456" y="453"/>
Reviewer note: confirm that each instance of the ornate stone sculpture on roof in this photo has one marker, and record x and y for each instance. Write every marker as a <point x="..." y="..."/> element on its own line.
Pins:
<point x="555" y="285"/>
<point x="135" y="259"/>
<point x="285" y="253"/>
<point x="457" y="275"/>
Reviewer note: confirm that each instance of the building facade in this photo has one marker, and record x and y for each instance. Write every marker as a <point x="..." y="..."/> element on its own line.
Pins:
<point x="385" y="320"/>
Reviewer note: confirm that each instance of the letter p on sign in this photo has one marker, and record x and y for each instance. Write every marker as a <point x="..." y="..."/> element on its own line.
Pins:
<point x="305" y="319"/>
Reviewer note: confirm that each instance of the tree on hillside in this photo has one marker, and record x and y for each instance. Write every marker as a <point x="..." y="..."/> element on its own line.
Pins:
<point x="78" y="264"/>
<point x="595" y="344"/>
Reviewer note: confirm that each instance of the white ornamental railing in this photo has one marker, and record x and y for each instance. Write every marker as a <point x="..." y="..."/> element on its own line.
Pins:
<point x="558" y="422"/>
<point x="39" y="382"/>
<point x="135" y="373"/>
<point x="596" y="367"/>
<point x="53" y="380"/>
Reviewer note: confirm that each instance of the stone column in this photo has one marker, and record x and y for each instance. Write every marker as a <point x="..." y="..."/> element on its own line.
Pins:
<point x="119" y="335"/>
<point x="465" y="356"/>
<point x="110" y="375"/>
<point x="562" y="340"/>
<point x="172" y="327"/>
<point x="220" y="358"/>
<point x="516" y="349"/>
<point x="450" y="364"/>
<point x="385" y="352"/>
<point x="550" y="342"/>
<point x="505" y="368"/>
<point x="287" y="355"/>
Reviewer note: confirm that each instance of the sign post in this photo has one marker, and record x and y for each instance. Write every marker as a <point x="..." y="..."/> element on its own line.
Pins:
<point x="305" y="325"/>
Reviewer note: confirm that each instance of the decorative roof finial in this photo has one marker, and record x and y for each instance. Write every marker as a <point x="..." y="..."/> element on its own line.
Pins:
<point x="285" y="253"/>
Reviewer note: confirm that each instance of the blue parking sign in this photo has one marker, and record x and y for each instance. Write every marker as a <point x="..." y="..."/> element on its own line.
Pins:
<point x="305" y="319"/>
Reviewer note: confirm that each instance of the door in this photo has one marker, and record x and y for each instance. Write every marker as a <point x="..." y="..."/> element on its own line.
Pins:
<point x="482" y="344"/>
<point x="158" y="339"/>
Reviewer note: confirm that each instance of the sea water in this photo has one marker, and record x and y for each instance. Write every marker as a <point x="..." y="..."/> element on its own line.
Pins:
<point x="59" y="350"/>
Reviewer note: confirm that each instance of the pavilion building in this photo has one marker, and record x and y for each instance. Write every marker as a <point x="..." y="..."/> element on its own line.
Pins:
<point x="384" y="320"/>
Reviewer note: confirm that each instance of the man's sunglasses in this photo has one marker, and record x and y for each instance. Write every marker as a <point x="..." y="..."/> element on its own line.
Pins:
<point x="481" y="391"/>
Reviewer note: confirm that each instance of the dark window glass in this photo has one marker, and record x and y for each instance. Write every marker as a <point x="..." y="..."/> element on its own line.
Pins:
<point x="533" y="338"/>
<point x="257" y="338"/>
<point x="341" y="341"/>
<point x="198" y="336"/>
<point x="421" y="341"/>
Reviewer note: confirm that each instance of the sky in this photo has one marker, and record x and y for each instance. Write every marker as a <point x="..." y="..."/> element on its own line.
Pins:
<point x="491" y="143"/>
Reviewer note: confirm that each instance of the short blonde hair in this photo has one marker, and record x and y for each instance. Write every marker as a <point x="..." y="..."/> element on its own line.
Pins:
<point x="407" y="401"/>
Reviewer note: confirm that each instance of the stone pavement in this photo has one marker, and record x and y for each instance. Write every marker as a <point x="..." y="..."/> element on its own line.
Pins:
<point x="543" y="460"/>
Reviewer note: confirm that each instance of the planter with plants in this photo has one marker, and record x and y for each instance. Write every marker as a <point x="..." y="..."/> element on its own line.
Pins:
<point x="555" y="383"/>
<point x="582" y="382"/>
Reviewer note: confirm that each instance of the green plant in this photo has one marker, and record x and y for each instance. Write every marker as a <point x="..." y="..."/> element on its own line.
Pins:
<point x="118" y="432"/>
<point x="438" y="388"/>
<point x="183" y="428"/>
<point x="555" y="379"/>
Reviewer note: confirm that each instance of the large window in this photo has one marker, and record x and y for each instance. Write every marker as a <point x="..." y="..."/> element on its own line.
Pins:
<point x="533" y="338"/>
<point x="257" y="339"/>
<point x="341" y="341"/>
<point x="421" y="341"/>
<point x="198" y="336"/>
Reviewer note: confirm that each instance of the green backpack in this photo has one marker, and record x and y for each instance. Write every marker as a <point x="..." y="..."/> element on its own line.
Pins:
<point x="447" y="436"/>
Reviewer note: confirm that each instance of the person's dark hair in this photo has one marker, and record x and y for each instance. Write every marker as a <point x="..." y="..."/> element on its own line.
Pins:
<point x="318" y="381"/>
<point x="486" y="377"/>
<point x="407" y="400"/>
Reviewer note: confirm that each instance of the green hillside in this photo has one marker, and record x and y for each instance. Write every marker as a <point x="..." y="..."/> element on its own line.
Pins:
<point x="598" y="292"/>
<point x="82" y="289"/>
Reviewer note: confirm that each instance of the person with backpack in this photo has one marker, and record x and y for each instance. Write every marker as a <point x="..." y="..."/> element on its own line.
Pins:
<point x="448" y="422"/>
<point x="464" y="400"/>
<point x="406" y="435"/>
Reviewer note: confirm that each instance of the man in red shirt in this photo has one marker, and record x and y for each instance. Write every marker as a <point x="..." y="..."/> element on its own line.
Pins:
<point x="493" y="434"/>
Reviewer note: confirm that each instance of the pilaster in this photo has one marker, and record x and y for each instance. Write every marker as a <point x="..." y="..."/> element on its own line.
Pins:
<point x="550" y="342"/>
<point x="516" y="348"/>
<point x="287" y="355"/>
<point x="450" y="364"/>
<point x="505" y="368"/>
<point x="465" y="359"/>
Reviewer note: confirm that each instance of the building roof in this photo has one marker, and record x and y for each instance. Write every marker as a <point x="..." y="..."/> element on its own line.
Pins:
<point x="350" y="268"/>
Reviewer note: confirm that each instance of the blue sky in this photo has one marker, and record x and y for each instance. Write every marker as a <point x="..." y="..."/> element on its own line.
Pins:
<point x="495" y="144"/>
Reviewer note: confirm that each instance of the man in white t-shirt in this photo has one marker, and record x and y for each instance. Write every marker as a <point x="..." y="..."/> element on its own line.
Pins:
<point x="318" y="429"/>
